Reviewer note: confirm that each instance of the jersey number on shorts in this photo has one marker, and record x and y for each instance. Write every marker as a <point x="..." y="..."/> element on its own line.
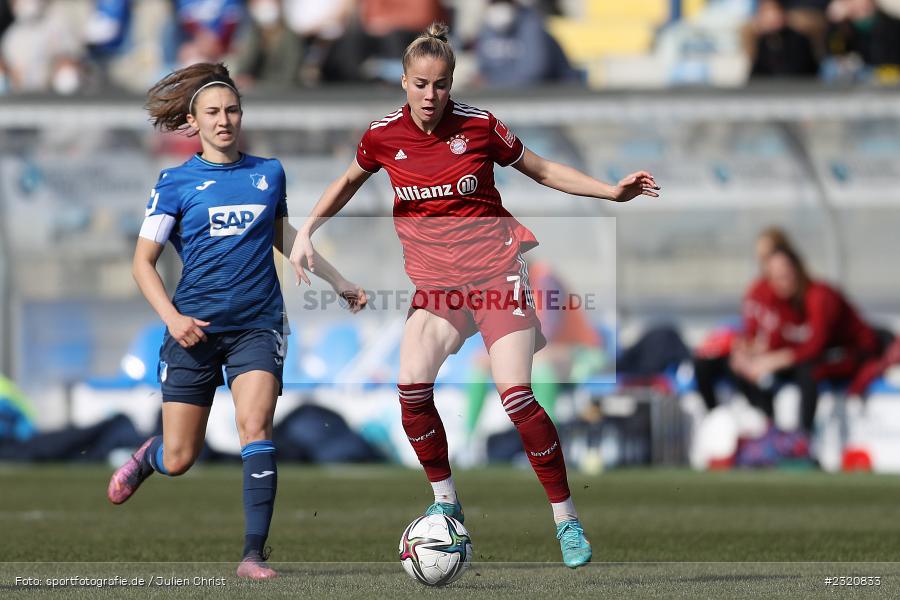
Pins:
<point x="517" y="282"/>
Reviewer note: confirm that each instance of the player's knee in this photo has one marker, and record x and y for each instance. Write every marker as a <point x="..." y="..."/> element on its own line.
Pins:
<point x="178" y="462"/>
<point x="413" y="375"/>
<point x="253" y="429"/>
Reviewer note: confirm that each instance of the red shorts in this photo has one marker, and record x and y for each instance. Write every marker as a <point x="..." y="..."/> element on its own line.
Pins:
<point x="495" y="307"/>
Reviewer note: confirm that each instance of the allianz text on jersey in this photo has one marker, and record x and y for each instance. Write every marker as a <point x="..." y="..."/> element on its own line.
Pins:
<point x="465" y="186"/>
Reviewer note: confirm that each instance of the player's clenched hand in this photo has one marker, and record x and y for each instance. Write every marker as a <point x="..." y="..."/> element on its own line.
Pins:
<point x="634" y="185"/>
<point x="187" y="330"/>
<point x="353" y="294"/>
<point x="302" y="253"/>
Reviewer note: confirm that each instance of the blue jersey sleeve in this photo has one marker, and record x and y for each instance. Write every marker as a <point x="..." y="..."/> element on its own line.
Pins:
<point x="164" y="197"/>
<point x="281" y="210"/>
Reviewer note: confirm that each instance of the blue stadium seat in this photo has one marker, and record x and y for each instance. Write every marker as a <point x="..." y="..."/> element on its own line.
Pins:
<point x="883" y="386"/>
<point x="139" y="364"/>
<point x="336" y="347"/>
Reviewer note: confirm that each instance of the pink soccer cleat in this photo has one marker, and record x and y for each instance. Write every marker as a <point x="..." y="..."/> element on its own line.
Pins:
<point x="128" y="478"/>
<point x="254" y="566"/>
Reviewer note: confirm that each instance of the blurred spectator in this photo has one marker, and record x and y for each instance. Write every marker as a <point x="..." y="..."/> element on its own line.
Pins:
<point x="863" y="34"/>
<point x="778" y="49"/>
<point x="826" y="339"/>
<point x="105" y="34"/>
<point x="319" y="24"/>
<point x="849" y="39"/>
<point x="886" y="40"/>
<point x="268" y="52"/>
<point x="376" y="37"/>
<point x="6" y="16"/>
<point x="760" y="330"/>
<point x="40" y="50"/>
<point x="808" y="18"/>
<point x="204" y="30"/>
<point x="515" y="50"/>
<point x="107" y="27"/>
<point x="129" y="42"/>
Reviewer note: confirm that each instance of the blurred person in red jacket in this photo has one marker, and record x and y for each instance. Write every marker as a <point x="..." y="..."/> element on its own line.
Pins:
<point x="824" y="337"/>
<point x="759" y="331"/>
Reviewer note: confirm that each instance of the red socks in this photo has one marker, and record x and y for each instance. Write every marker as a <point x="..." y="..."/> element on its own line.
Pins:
<point x="540" y="440"/>
<point x="425" y="429"/>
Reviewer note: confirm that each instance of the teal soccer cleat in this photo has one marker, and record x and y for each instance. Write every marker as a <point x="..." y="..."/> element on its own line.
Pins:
<point x="576" y="550"/>
<point x="445" y="508"/>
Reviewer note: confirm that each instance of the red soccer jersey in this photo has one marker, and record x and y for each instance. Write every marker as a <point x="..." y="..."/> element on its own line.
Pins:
<point x="832" y="322"/>
<point x="447" y="211"/>
<point x="764" y="317"/>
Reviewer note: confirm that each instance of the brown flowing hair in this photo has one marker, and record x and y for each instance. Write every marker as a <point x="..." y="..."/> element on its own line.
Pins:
<point x="777" y="236"/>
<point x="168" y="101"/>
<point x="799" y="267"/>
<point x="433" y="42"/>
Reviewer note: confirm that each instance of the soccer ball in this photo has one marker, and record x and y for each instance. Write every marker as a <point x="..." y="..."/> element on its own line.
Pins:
<point x="435" y="550"/>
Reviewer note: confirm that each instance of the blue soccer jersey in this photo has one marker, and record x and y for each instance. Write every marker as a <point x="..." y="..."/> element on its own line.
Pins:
<point x="224" y="225"/>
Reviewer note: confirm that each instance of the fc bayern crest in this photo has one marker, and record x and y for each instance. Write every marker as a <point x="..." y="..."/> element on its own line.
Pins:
<point x="458" y="143"/>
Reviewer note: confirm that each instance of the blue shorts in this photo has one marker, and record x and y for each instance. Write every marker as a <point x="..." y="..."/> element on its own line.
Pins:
<point x="191" y="375"/>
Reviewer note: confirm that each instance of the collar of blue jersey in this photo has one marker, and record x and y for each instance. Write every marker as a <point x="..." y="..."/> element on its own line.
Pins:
<point x="215" y="164"/>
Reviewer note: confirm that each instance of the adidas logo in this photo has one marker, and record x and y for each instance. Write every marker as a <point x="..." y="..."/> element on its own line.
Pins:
<point x="400" y="155"/>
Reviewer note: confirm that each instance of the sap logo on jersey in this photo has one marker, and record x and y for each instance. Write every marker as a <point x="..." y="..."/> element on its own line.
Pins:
<point x="233" y="220"/>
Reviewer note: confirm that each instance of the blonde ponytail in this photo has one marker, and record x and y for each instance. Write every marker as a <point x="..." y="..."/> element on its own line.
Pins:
<point x="434" y="43"/>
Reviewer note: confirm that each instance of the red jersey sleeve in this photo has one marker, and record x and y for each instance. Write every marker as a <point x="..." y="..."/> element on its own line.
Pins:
<point x="365" y="153"/>
<point x="754" y="300"/>
<point x="504" y="148"/>
<point x="822" y="314"/>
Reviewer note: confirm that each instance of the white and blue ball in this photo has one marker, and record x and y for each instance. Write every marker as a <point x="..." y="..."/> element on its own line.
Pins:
<point x="435" y="550"/>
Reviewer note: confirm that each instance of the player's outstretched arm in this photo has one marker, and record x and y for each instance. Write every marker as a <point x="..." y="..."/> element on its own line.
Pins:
<point x="572" y="181"/>
<point x="335" y="197"/>
<point x="352" y="293"/>
<point x="184" y="329"/>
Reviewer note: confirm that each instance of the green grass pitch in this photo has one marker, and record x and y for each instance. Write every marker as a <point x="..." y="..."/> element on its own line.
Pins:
<point x="656" y="534"/>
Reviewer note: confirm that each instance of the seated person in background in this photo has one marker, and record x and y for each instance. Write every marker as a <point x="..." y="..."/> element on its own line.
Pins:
<point x="377" y="31"/>
<point x="205" y="31"/>
<point x="40" y="52"/>
<point x="761" y="326"/>
<point x="849" y="37"/>
<point x="514" y="48"/>
<point x="574" y="349"/>
<point x="825" y="338"/>
<point x="777" y="48"/>
<point x="268" y="52"/>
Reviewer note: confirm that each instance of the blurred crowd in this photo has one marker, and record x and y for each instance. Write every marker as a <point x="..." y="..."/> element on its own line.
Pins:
<point x="89" y="46"/>
<point x="838" y="40"/>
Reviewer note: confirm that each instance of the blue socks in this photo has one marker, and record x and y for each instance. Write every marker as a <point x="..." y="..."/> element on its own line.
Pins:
<point x="154" y="456"/>
<point x="260" y="482"/>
